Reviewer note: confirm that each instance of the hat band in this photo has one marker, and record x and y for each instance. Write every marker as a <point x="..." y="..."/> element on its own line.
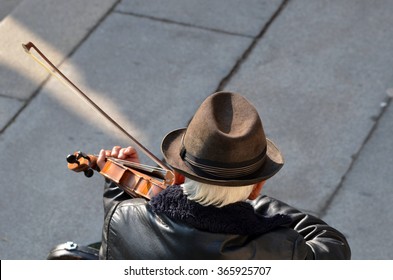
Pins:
<point x="223" y="170"/>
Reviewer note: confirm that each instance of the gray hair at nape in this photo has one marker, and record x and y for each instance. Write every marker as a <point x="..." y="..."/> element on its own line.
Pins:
<point x="217" y="196"/>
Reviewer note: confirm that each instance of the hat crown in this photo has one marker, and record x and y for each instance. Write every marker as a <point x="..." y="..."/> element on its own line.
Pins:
<point x="225" y="129"/>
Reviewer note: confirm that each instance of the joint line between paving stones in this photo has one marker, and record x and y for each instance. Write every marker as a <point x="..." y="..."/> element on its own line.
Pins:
<point x="169" y="21"/>
<point x="329" y="201"/>
<point x="27" y="102"/>
<point x="35" y="93"/>
<point x="248" y="51"/>
<point x="101" y="20"/>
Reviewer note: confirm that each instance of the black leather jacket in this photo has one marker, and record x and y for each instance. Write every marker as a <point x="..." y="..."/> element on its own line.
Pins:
<point x="133" y="230"/>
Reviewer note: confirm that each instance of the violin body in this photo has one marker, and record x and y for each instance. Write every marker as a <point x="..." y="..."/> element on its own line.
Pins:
<point x="134" y="182"/>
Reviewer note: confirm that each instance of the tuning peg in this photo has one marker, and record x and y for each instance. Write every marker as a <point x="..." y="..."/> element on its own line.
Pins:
<point x="72" y="159"/>
<point x="89" y="172"/>
<point x="83" y="155"/>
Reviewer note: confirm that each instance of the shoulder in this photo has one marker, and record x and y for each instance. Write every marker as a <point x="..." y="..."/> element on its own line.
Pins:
<point x="267" y="205"/>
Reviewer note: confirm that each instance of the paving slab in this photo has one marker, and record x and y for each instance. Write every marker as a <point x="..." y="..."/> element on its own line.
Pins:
<point x="57" y="26"/>
<point x="362" y="206"/>
<point x="147" y="75"/>
<point x="232" y="16"/>
<point x="318" y="77"/>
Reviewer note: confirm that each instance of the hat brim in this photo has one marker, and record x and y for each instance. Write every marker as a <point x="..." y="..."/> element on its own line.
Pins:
<point x="171" y="147"/>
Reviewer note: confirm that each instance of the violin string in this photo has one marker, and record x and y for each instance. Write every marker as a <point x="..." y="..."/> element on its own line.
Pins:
<point x="138" y="165"/>
<point x="135" y="164"/>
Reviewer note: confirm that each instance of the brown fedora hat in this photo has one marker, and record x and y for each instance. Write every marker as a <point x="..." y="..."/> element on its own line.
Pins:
<point x="224" y="144"/>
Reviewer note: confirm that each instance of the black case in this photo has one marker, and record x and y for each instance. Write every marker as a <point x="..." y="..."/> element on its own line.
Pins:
<point x="72" y="251"/>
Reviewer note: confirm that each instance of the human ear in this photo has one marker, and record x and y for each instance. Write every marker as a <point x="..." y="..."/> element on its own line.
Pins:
<point x="256" y="190"/>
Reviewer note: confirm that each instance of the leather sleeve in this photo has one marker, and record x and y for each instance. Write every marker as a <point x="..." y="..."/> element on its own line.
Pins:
<point x="324" y="241"/>
<point x="112" y="195"/>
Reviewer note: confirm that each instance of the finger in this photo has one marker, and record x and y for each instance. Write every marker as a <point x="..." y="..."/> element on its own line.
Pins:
<point x="101" y="159"/>
<point x="131" y="154"/>
<point x="115" y="151"/>
<point x="129" y="151"/>
<point x="122" y="153"/>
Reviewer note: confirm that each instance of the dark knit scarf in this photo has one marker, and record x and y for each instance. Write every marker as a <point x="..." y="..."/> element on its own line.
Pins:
<point x="236" y="218"/>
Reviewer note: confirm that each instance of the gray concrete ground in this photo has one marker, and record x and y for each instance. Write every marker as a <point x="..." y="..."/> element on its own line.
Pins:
<point x="6" y="7"/>
<point x="319" y="73"/>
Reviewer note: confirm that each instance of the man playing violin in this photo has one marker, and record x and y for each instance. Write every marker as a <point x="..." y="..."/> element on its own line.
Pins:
<point x="217" y="212"/>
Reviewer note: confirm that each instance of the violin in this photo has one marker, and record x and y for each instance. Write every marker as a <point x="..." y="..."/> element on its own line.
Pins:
<point x="136" y="179"/>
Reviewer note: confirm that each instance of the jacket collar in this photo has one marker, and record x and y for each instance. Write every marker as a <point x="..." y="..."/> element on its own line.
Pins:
<point x="236" y="218"/>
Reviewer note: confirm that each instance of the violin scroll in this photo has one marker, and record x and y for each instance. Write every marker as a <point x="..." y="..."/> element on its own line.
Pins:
<point x="80" y="162"/>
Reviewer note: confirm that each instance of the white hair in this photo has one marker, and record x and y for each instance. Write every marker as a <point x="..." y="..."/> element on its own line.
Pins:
<point x="218" y="196"/>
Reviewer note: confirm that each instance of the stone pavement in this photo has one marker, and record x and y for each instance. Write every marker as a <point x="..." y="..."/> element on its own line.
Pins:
<point x="319" y="72"/>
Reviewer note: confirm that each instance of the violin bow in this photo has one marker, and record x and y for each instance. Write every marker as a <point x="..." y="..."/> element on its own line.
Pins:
<point x="54" y="71"/>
